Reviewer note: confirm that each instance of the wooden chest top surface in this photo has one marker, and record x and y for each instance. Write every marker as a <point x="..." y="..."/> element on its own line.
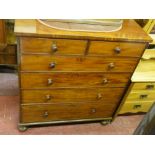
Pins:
<point x="130" y="31"/>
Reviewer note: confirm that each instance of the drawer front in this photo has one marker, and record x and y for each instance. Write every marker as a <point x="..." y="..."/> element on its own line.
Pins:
<point x="144" y="86"/>
<point x="62" y="63"/>
<point x="116" y="48"/>
<point x="72" y="95"/>
<point x="62" y="112"/>
<point x="141" y="95"/>
<point x="135" y="107"/>
<point x="54" y="80"/>
<point x="52" y="46"/>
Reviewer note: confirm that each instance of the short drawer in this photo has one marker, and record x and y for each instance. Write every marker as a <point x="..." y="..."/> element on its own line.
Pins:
<point x="143" y="86"/>
<point x="62" y="112"/>
<point x="75" y="63"/>
<point x="141" y="95"/>
<point x="116" y="48"/>
<point x="55" y="80"/>
<point x="135" y="107"/>
<point x="72" y="95"/>
<point x="52" y="46"/>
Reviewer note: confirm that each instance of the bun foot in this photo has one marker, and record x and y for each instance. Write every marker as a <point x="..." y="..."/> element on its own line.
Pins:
<point x="22" y="128"/>
<point x="105" y="122"/>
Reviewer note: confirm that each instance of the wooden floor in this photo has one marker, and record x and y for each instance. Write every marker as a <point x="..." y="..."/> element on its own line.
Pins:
<point x="9" y="114"/>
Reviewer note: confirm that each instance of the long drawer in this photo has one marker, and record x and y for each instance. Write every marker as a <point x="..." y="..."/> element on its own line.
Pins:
<point x="52" y="46"/>
<point x="54" y="80"/>
<point x="60" y="112"/>
<point x="73" y="95"/>
<point x="136" y="106"/>
<point x="75" y="63"/>
<point x="116" y="48"/>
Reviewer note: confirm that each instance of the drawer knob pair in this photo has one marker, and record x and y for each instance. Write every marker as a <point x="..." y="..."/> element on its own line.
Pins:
<point x="54" y="47"/>
<point x="117" y="50"/>
<point x="49" y="81"/>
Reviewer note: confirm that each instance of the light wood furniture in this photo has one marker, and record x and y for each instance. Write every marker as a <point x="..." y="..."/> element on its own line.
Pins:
<point x="68" y="76"/>
<point x="141" y="94"/>
<point x="139" y="98"/>
<point x="153" y="37"/>
<point x="148" y="28"/>
<point x="149" y="25"/>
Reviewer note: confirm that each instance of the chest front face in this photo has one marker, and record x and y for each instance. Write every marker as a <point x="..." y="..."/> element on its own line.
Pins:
<point x="67" y="79"/>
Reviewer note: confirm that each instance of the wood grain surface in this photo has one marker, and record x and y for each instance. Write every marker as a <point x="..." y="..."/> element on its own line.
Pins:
<point x="136" y="106"/>
<point x="78" y="63"/>
<point x="144" y="86"/>
<point x="73" y="95"/>
<point x="43" y="45"/>
<point x="60" y="112"/>
<point x="130" y="31"/>
<point x="74" y="79"/>
<point x="110" y="48"/>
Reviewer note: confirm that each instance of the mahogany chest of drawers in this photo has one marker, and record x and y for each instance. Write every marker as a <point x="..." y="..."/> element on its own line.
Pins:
<point x="70" y="76"/>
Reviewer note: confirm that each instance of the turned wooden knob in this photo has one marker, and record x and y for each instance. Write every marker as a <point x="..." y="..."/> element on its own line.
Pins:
<point x="48" y="97"/>
<point x="93" y="110"/>
<point x="54" y="47"/>
<point x="52" y="65"/>
<point x="99" y="96"/>
<point x="117" y="50"/>
<point x="49" y="81"/>
<point x="45" y="114"/>
<point x="111" y="65"/>
<point x="104" y="80"/>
